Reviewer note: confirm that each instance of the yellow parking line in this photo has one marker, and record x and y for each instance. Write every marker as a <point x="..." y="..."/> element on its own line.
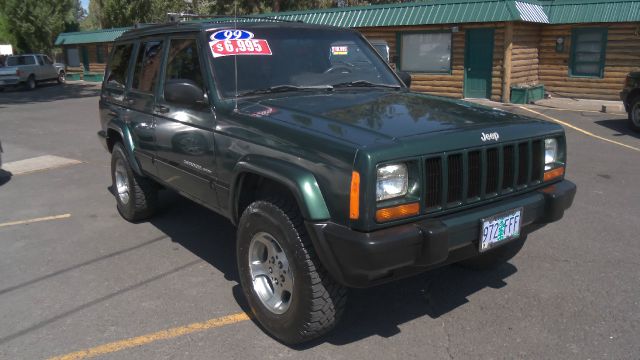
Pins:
<point x="581" y="130"/>
<point x="153" y="337"/>
<point x="581" y="111"/>
<point x="30" y="221"/>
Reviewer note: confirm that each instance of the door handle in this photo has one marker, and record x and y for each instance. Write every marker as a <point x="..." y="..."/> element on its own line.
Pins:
<point x="161" y="109"/>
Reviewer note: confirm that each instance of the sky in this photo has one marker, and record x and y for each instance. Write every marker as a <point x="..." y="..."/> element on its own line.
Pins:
<point x="85" y="4"/>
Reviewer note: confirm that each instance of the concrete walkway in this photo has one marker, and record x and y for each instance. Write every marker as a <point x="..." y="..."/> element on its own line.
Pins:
<point x="605" y="106"/>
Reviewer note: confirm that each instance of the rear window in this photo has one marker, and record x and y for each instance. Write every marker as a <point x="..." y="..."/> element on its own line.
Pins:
<point x="117" y="69"/>
<point x="20" y="60"/>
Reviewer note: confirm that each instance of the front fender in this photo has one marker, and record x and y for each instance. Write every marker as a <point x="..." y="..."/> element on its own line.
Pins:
<point x="301" y="182"/>
<point x="122" y="129"/>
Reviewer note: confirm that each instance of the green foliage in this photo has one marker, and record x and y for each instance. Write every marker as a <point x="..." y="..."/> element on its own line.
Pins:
<point x="33" y="25"/>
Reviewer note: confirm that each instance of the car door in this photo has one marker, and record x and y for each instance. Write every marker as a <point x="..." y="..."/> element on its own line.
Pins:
<point x="140" y="100"/>
<point x="40" y="71"/>
<point x="184" y="129"/>
<point x="48" y="68"/>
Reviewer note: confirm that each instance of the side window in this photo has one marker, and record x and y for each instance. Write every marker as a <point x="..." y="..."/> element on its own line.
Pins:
<point x="117" y="68"/>
<point x="29" y="60"/>
<point x="147" y="66"/>
<point x="48" y="61"/>
<point x="183" y="62"/>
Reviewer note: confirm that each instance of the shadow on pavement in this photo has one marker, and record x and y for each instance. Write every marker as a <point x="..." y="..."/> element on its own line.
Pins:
<point x="46" y="92"/>
<point x="619" y="125"/>
<point x="5" y="177"/>
<point x="377" y="311"/>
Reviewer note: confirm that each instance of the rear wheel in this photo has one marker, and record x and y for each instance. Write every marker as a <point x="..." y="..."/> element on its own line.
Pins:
<point x="289" y="292"/>
<point x="634" y="114"/>
<point x="136" y="196"/>
<point x="495" y="257"/>
<point x="31" y="82"/>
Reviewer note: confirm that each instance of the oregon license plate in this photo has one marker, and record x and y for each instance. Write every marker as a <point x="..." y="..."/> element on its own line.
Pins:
<point x="500" y="228"/>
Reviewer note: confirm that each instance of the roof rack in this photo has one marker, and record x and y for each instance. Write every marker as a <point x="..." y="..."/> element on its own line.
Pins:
<point x="178" y="17"/>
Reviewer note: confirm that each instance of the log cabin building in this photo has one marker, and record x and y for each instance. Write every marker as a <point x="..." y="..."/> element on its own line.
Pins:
<point x="474" y="48"/>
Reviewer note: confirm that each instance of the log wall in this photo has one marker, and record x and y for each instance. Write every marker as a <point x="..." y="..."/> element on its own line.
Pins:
<point x="524" y="57"/>
<point x="622" y="56"/>
<point x="94" y="65"/>
<point x="450" y="85"/>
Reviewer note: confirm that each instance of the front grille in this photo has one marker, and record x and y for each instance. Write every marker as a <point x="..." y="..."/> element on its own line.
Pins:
<point x="456" y="179"/>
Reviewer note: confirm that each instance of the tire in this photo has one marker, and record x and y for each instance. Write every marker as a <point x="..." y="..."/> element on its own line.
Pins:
<point x="62" y="78"/>
<point x="31" y="83"/>
<point x="634" y="114"/>
<point x="315" y="302"/>
<point x="495" y="257"/>
<point x="136" y="196"/>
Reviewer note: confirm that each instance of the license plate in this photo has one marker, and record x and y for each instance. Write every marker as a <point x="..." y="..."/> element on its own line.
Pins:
<point x="500" y="228"/>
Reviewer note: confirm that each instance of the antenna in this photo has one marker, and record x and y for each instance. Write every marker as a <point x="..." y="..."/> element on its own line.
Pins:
<point x="235" y="57"/>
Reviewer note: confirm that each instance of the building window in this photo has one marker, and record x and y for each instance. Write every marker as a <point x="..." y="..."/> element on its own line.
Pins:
<point x="100" y="54"/>
<point x="588" y="52"/>
<point x="425" y="52"/>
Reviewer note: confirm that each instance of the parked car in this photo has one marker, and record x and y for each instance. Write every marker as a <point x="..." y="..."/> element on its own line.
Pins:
<point x="630" y="96"/>
<point x="335" y="174"/>
<point x="382" y="47"/>
<point x="29" y="70"/>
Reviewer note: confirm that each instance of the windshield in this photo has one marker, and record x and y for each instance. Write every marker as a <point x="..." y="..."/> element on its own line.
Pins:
<point x="269" y="57"/>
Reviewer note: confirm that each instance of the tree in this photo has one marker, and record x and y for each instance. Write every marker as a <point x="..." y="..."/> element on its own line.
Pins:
<point x="33" y="25"/>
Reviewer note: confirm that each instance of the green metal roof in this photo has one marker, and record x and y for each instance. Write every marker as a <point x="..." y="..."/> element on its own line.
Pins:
<point x="421" y="13"/>
<point x="87" y="37"/>
<point x="432" y="12"/>
<point x="592" y="11"/>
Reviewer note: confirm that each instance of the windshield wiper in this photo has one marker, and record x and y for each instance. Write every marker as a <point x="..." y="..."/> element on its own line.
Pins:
<point x="364" y="83"/>
<point x="283" y="88"/>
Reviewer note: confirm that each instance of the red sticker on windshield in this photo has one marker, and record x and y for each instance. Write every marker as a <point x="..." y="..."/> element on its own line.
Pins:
<point x="239" y="47"/>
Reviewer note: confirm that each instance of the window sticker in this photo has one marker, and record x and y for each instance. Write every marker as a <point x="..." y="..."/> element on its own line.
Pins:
<point x="339" y="50"/>
<point x="237" y="42"/>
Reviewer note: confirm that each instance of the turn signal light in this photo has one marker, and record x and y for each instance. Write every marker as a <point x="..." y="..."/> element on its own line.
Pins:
<point x="354" y="196"/>
<point x="397" y="212"/>
<point x="553" y="174"/>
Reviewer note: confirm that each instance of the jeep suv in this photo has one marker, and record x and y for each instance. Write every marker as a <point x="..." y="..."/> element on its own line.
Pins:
<point x="335" y="174"/>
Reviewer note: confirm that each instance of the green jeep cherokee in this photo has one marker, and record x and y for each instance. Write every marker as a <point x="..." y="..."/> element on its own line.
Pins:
<point x="335" y="174"/>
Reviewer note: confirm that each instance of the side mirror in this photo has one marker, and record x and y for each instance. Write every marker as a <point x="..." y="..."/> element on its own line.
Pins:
<point x="184" y="92"/>
<point x="405" y="77"/>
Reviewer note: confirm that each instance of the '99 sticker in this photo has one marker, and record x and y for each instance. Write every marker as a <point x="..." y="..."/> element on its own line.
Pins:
<point x="231" y="35"/>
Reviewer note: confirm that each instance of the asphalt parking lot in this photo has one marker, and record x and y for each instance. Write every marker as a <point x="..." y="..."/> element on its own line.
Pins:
<point x="79" y="281"/>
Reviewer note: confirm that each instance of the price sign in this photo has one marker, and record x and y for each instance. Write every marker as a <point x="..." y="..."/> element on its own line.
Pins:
<point x="237" y="42"/>
<point x="240" y="47"/>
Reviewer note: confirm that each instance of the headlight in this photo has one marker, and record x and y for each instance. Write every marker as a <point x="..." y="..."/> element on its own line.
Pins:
<point x="393" y="181"/>
<point x="550" y="153"/>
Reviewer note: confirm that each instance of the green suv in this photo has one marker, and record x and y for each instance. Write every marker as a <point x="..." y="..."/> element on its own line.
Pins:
<point x="335" y="174"/>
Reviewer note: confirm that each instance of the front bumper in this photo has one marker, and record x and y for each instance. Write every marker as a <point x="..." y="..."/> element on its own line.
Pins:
<point x="358" y="259"/>
<point x="9" y="81"/>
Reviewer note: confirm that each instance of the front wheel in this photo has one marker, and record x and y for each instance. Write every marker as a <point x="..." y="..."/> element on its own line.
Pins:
<point x="495" y="257"/>
<point x="289" y="292"/>
<point x="62" y="78"/>
<point x="136" y="196"/>
<point x="634" y="114"/>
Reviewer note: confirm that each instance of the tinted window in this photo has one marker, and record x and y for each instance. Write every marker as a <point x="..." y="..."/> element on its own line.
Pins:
<point x="21" y="60"/>
<point x="118" y="65"/>
<point x="183" y="62"/>
<point x="147" y="66"/>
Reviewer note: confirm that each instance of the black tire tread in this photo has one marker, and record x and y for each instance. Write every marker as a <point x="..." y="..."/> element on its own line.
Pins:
<point x="634" y="100"/>
<point x="143" y="193"/>
<point x="328" y="297"/>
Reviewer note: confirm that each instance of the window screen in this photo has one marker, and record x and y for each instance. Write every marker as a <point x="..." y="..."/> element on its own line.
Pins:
<point x="147" y="66"/>
<point x="588" y="52"/>
<point x="118" y="65"/>
<point x="426" y="52"/>
<point x="183" y="62"/>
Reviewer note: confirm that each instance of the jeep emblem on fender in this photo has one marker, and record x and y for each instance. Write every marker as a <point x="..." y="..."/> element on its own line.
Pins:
<point x="490" y="136"/>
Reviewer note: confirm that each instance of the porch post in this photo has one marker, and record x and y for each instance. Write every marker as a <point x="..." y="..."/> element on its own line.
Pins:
<point x="506" y="62"/>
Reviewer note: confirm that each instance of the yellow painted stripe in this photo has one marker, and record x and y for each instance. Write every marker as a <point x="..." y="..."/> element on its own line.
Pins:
<point x="588" y="133"/>
<point x="149" y="338"/>
<point x="581" y="111"/>
<point x="30" y="221"/>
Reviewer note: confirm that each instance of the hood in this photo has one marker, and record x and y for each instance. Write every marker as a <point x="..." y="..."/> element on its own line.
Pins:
<point x="373" y="116"/>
